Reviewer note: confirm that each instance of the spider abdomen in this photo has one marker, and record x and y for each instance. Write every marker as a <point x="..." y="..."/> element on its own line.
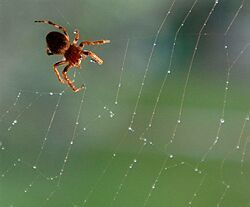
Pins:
<point x="57" y="42"/>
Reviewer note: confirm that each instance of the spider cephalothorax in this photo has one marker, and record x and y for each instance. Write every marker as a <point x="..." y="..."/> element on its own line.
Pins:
<point x="59" y="44"/>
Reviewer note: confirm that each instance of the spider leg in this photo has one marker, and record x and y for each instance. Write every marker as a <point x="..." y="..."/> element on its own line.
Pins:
<point x="93" y="56"/>
<point x="98" y="42"/>
<point x="57" y="72"/>
<point x="70" y="83"/>
<point x="76" y="37"/>
<point x="49" y="52"/>
<point x="55" y="25"/>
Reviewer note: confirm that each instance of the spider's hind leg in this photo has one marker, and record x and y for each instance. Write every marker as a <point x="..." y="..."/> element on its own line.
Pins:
<point x="49" y="52"/>
<point x="70" y="83"/>
<point x="55" y="25"/>
<point x="57" y="72"/>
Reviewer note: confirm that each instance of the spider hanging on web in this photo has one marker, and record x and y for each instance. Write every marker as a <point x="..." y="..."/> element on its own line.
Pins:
<point x="59" y="44"/>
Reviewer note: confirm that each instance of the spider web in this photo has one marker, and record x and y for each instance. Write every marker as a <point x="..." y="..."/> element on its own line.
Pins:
<point x="164" y="121"/>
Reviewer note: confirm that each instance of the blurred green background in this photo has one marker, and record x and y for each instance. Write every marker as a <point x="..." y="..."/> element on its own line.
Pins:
<point x="107" y="164"/>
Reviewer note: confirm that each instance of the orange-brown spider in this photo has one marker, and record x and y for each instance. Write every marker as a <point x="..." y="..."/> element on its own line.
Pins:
<point x="59" y="44"/>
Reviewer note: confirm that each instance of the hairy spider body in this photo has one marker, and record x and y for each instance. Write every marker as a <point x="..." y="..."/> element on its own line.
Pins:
<point x="74" y="55"/>
<point x="59" y="44"/>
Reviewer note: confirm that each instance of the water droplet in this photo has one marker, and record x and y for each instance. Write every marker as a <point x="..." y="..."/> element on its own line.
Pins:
<point x="34" y="167"/>
<point x="169" y="72"/>
<point x="178" y="121"/>
<point x="135" y="160"/>
<point x="222" y="121"/>
<point x="171" y="156"/>
<point x="116" y="103"/>
<point x="51" y="93"/>
<point x="14" y="122"/>
<point x="114" y="155"/>
<point x="130" y="129"/>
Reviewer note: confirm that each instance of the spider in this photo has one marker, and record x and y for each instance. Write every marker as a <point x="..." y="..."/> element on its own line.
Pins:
<point x="59" y="44"/>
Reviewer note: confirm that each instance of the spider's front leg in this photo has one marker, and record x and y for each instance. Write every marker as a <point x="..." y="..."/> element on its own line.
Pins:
<point x="76" y="32"/>
<point x="57" y="72"/>
<point x="70" y="83"/>
<point x="93" y="56"/>
<point x="98" y="42"/>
